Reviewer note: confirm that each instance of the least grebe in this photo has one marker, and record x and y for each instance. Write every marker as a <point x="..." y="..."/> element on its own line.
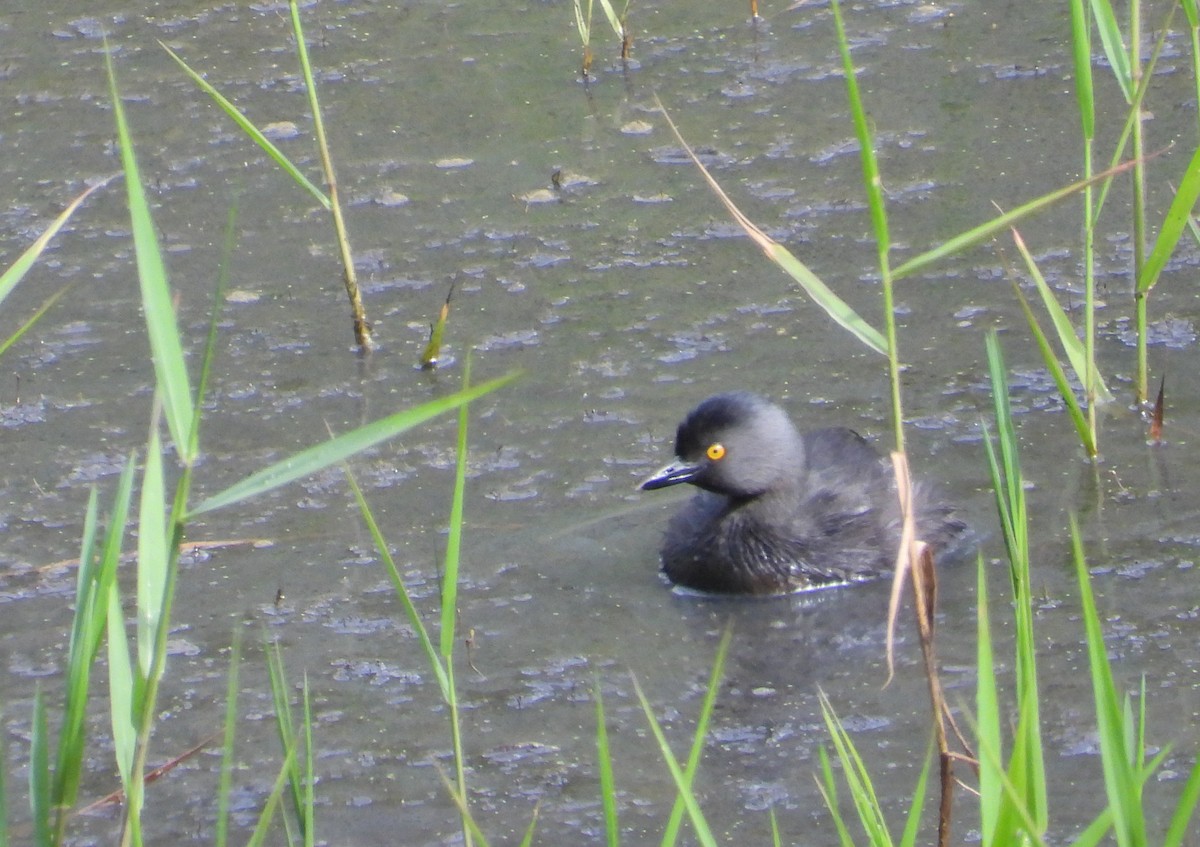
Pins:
<point x="780" y="512"/>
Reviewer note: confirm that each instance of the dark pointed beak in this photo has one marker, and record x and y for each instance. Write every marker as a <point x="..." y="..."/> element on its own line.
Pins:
<point x="672" y="474"/>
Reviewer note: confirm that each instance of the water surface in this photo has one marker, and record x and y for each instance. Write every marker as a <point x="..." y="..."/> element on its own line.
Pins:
<point x="625" y="300"/>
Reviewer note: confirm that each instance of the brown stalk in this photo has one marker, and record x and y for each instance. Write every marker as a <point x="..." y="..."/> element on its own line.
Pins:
<point x="916" y="558"/>
<point x="118" y="796"/>
<point x="1156" y="417"/>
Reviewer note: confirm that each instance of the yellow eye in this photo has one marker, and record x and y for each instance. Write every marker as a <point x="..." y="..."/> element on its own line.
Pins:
<point x="716" y="451"/>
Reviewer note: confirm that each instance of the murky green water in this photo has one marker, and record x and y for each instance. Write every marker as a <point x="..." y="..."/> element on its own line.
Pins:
<point x="624" y="302"/>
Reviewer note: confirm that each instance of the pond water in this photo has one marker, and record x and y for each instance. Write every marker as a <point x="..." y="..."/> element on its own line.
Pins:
<point x="624" y="301"/>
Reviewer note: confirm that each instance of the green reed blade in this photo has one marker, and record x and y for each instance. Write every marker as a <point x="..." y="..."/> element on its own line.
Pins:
<point x="858" y="780"/>
<point x="1173" y="225"/>
<point x="827" y="785"/>
<point x="166" y="348"/>
<point x="121" y="692"/>
<point x="451" y="560"/>
<point x="614" y="20"/>
<point x="15" y="272"/>
<point x="527" y="841"/>
<point x="263" y="826"/>
<point x="608" y="784"/>
<point x="1081" y="53"/>
<point x="682" y="783"/>
<point x="987" y="712"/>
<point x="253" y="132"/>
<point x="1004" y="221"/>
<point x="33" y="319"/>
<point x="1121" y="783"/>
<point x="912" y="821"/>
<point x="1074" y="349"/>
<point x="583" y="22"/>
<point x="818" y="291"/>
<point x="700" y="736"/>
<point x="338" y="449"/>
<point x="1184" y="809"/>
<point x="1086" y="436"/>
<point x="310" y="778"/>
<point x="225" y="780"/>
<point x="153" y="554"/>
<point x="872" y="181"/>
<point x="410" y="609"/>
<point x="39" y="772"/>
<point x="1114" y="48"/>
<point x="285" y="726"/>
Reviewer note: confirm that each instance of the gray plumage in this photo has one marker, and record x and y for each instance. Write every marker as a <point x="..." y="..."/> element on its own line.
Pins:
<point x="780" y="512"/>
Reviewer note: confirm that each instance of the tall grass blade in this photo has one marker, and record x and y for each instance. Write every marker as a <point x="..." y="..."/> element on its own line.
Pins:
<point x="873" y="184"/>
<point x="39" y="773"/>
<point x="1132" y="116"/>
<point x="617" y="22"/>
<point x="449" y="602"/>
<point x="1082" y="427"/>
<point x="818" y="291"/>
<point x="1173" y="225"/>
<point x="1114" y="49"/>
<point x="1121" y="782"/>
<point x="454" y="535"/>
<point x="166" y="349"/>
<point x="310" y="777"/>
<point x="121" y="694"/>
<point x="1074" y="349"/>
<point x="338" y="449"/>
<point x="583" y="21"/>
<point x="362" y="327"/>
<point x="671" y="833"/>
<point x="1081" y="53"/>
<point x="473" y="832"/>
<point x="410" y="609"/>
<point x="251" y="131"/>
<point x="527" y="841"/>
<point x="225" y="780"/>
<point x="1191" y="11"/>
<point x="15" y="272"/>
<point x="1006" y="220"/>
<point x="214" y="316"/>
<point x="259" y="836"/>
<point x="827" y="785"/>
<point x="1015" y="825"/>
<point x="682" y="783"/>
<point x="285" y="728"/>
<point x="912" y="821"/>
<point x="872" y="180"/>
<point x="125" y="688"/>
<point x="86" y="625"/>
<point x="33" y="319"/>
<point x="987" y="715"/>
<point x="1006" y="472"/>
<point x="866" y="803"/>
<point x="153" y="555"/>
<point x="1181" y="818"/>
<point x="1026" y="769"/>
<point x="97" y="572"/>
<point x="608" y="784"/>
